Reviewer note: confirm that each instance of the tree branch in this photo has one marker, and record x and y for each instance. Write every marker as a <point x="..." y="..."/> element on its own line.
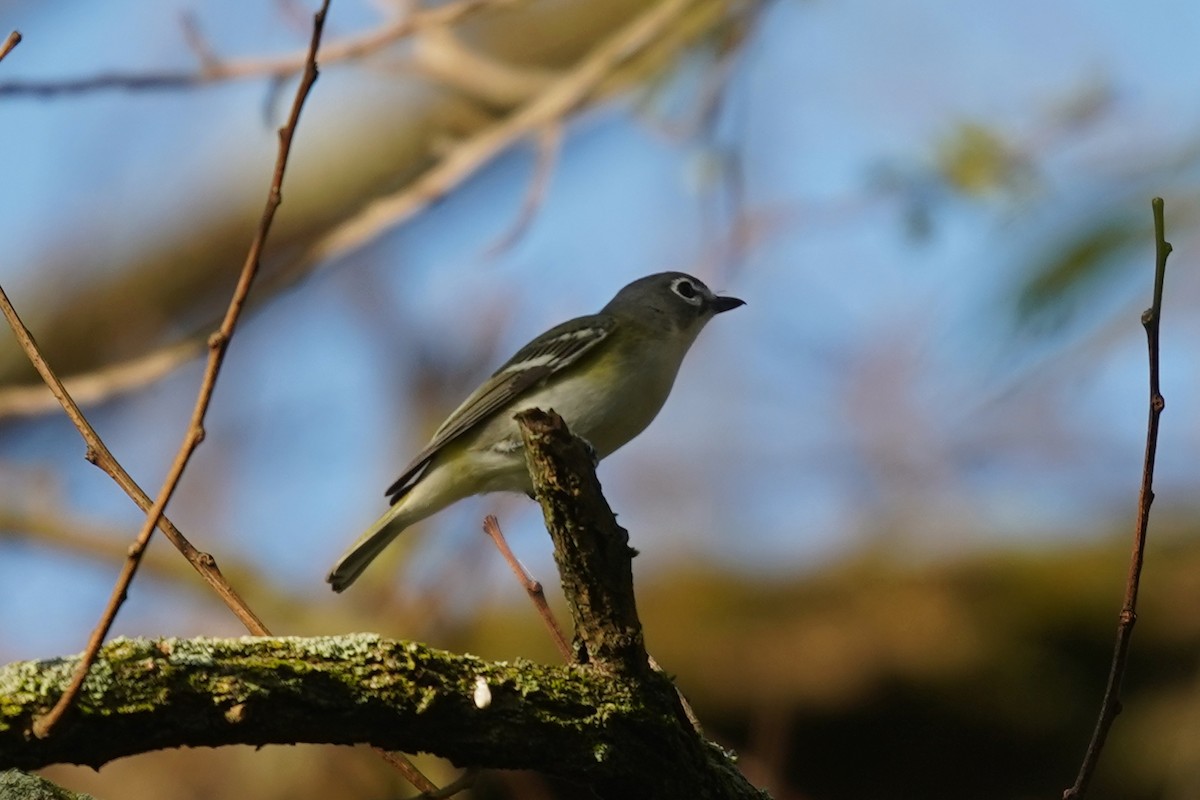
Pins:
<point x="1110" y="706"/>
<point x="591" y="550"/>
<point x="111" y="380"/>
<point x="559" y="99"/>
<point x="218" y="344"/>
<point x="615" y="62"/>
<point x="216" y="70"/>
<point x="615" y="733"/>
<point x="612" y="723"/>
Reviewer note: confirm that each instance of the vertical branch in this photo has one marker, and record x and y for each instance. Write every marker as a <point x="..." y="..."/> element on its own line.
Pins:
<point x="218" y="344"/>
<point x="1111" y="705"/>
<point x="591" y="550"/>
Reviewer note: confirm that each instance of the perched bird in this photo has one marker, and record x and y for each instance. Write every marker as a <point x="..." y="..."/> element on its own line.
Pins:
<point x="607" y="375"/>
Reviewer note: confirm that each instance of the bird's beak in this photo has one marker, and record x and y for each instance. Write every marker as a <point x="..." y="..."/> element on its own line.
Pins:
<point x="722" y="304"/>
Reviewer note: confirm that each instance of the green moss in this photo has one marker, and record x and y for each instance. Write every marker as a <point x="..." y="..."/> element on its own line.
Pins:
<point x="17" y="785"/>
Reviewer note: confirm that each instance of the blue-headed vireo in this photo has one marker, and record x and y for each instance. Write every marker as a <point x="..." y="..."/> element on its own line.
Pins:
<point x="607" y="375"/>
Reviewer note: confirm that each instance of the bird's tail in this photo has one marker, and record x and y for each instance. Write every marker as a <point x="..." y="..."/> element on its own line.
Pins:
<point x="369" y="545"/>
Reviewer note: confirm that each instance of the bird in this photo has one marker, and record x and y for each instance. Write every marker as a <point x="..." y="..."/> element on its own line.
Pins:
<point x="606" y="374"/>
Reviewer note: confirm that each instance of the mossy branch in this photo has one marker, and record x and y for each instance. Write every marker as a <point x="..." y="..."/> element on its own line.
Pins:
<point x="614" y="734"/>
<point x="611" y="723"/>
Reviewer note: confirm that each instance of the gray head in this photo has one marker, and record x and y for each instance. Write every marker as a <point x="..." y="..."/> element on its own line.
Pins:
<point x="672" y="300"/>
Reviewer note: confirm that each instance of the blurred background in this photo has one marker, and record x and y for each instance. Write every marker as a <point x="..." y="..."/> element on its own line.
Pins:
<point x="884" y="519"/>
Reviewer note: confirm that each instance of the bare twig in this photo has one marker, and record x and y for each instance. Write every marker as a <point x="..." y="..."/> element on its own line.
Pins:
<point x="532" y="587"/>
<point x="459" y="784"/>
<point x="1111" y="705"/>
<point x="437" y="54"/>
<point x="218" y="345"/>
<point x="549" y="145"/>
<point x="549" y="107"/>
<point x="278" y="68"/>
<point x="542" y="113"/>
<point x="96" y="386"/>
<point x="99" y="454"/>
<point x="82" y="539"/>
<point x="688" y="711"/>
<point x="196" y="41"/>
<point x="12" y="41"/>
<point x="410" y="772"/>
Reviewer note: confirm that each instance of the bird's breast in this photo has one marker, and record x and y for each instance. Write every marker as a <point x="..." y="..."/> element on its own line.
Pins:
<point x="613" y="399"/>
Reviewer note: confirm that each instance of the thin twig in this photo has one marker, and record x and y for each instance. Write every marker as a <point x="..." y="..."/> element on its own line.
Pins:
<point x="49" y="529"/>
<point x="1111" y="705"/>
<point x="438" y="55"/>
<point x="278" y="68"/>
<point x="542" y="112"/>
<point x="533" y="588"/>
<point x="410" y="772"/>
<point x="12" y="41"/>
<point x="99" y="454"/>
<point x="551" y="106"/>
<point x="103" y="383"/>
<point x="688" y="711"/>
<point x="459" y="784"/>
<point x="218" y="345"/>
<point x="549" y="145"/>
<point x="196" y="41"/>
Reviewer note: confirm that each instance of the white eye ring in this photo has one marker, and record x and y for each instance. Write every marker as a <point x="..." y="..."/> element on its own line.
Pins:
<point x="687" y="290"/>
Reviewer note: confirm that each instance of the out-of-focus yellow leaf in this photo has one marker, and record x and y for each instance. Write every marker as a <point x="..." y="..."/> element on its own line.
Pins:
<point x="975" y="160"/>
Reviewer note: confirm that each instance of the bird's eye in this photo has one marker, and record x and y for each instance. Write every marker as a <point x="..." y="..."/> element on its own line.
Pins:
<point x="686" y="289"/>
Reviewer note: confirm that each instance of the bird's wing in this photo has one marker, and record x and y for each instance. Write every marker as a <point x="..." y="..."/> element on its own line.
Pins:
<point x="549" y="353"/>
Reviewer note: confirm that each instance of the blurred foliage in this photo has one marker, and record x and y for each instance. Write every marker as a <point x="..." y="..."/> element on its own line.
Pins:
<point x="975" y="160"/>
<point x="1078" y="264"/>
<point x="156" y="289"/>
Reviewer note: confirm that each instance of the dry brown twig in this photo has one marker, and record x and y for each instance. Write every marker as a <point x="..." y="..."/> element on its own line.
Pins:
<point x="410" y="772"/>
<point x="218" y="345"/>
<point x="96" y="386"/>
<point x="549" y="146"/>
<point x="459" y="784"/>
<point x="438" y="55"/>
<point x="12" y="41"/>
<point x="1111" y="705"/>
<point x="542" y="116"/>
<point x="45" y="527"/>
<point x="549" y="107"/>
<point x="281" y="67"/>
<point x="491" y="526"/>
<point x="533" y="588"/>
<point x="99" y="454"/>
